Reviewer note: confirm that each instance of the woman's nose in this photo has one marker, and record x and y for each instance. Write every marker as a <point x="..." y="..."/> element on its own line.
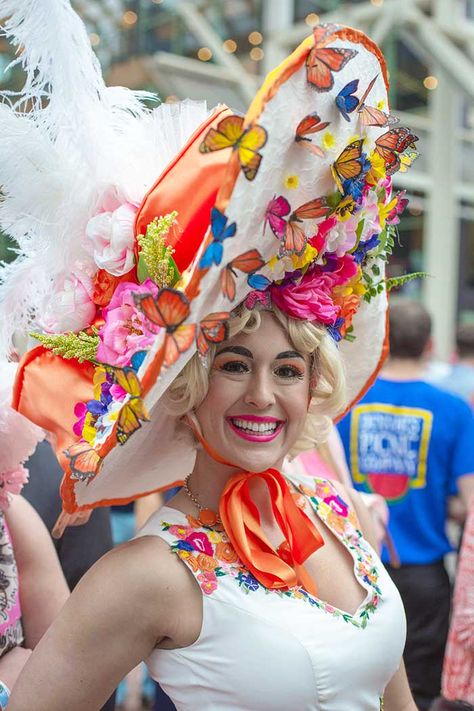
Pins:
<point x="260" y="391"/>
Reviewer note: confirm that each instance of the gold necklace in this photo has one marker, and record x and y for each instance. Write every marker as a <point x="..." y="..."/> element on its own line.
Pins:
<point x="206" y="516"/>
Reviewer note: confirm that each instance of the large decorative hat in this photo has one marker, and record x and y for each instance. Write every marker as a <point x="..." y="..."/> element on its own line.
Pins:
<point x="291" y="204"/>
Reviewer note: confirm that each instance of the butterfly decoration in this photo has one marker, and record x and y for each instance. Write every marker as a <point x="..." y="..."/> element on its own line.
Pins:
<point x="276" y="211"/>
<point x="247" y="263"/>
<point x="349" y="164"/>
<point x="220" y="231"/>
<point x="371" y="116"/>
<point x="84" y="462"/>
<point x="346" y="101"/>
<point x="230" y="133"/>
<point x="169" y="310"/>
<point x="392" y="144"/>
<point x="258" y="297"/>
<point x="213" y="329"/>
<point x="133" y="411"/>
<point x="306" y="127"/>
<point x="322" y="61"/>
<point x="295" y="239"/>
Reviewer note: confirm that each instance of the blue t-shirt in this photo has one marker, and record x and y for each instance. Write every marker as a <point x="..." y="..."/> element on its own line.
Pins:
<point x="410" y="442"/>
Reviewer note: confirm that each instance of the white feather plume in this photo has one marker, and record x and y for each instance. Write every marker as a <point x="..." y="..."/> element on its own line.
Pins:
<point x="64" y="143"/>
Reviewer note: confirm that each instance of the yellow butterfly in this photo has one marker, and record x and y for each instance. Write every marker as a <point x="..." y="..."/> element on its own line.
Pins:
<point x="134" y="410"/>
<point x="230" y="133"/>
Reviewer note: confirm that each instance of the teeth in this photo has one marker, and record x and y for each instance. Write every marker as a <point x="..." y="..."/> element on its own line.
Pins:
<point x="260" y="427"/>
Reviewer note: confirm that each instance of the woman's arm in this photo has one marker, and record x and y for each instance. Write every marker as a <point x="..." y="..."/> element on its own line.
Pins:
<point x="43" y="589"/>
<point x="114" y="618"/>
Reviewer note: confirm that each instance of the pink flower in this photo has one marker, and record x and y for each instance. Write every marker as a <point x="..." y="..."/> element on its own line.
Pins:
<point x="342" y="237"/>
<point x="337" y="504"/>
<point x="200" y="542"/>
<point x="11" y="482"/>
<point x="180" y="532"/>
<point x="71" y="307"/>
<point x="111" y="238"/>
<point x="208" y="582"/>
<point x="80" y="410"/>
<point x="126" y="329"/>
<point x="318" y="241"/>
<point x="309" y="299"/>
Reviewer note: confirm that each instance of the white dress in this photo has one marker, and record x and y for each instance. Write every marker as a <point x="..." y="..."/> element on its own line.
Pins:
<point x="267" y="650"/>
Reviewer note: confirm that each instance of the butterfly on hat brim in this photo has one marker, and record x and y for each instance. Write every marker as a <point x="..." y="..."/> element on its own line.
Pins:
<point x="133" y="412"/>
<point x="346" y="101"/>
<point x="392" y="144"/>
<point x="220" y="231"/>
<point x="169" y="310"/>
<point x="230" y="133"/>
<point x="371" y="116"/>
<point x="248" y="263"/>
<point x="295" y="239"/>
<point x="348" y="165"/>
<point x="322" y="61"/>
<point x="276" y="211"/>
<point x="212" y="329"/>
<point x="306" y="127"/>
<point x="84" y="462"/>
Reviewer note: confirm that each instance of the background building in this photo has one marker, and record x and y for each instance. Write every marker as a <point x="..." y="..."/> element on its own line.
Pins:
<point x="220" y="49"/>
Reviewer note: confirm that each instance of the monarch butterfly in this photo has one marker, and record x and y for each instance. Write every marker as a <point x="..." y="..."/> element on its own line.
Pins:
<point x="84" y="462"/>
<point x="369" y="115"/>
<point x="348" y="165"/>
<point x="230" y="133"/>
<point x="294" y="241"/>
<point x="247" y="263"/>
<point x="220" y="232"/>
<point x="213" y="329"/>
<point x="322" y="61"/>
<point x="133" y="411"/>
<point x="306" y="127"/>
<point x="392" y="144"/>
<point x="169" y="310"/>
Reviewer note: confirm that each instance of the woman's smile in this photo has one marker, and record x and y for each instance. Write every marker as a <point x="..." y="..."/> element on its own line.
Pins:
<point x="255" y="429"/>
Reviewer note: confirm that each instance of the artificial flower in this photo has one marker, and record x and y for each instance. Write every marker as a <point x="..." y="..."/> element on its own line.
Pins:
<point x="111" y="239"/>
<point x="328" y="140"/>
<point x="71" y="307"/>
<point x="126" y="329"/>
<point x="377" y="169"/>
<point x="104" y="287"/>
<point x="342" y="237"/>
<point x="291" y="182"/>
<point x="309" y="298"/>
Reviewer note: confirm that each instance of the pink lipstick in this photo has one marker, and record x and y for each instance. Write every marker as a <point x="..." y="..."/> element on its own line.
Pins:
<point x="254" y="428"/>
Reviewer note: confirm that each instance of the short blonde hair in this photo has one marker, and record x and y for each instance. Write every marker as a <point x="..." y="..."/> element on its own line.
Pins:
<point x="327" y="382"/>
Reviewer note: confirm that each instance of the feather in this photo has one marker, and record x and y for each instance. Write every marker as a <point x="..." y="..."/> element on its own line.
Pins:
<point x="78" y="142"/>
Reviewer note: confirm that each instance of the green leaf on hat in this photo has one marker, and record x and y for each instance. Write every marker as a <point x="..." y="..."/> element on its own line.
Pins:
<point x="81" y="346"/>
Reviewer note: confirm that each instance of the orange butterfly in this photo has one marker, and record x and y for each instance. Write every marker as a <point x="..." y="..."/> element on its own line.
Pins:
<point x="134" y="410"/>
<point x="169" y="310"/>
<point x="248" y="263"/>
<point x="307" y="126"/>
<point x="369" y="115"/>
<point x="230" y="133"/>
<point x="322" y="61"/>
<point x="213" y="329"/>
<point x="349" y="164"/>
<point x="84" y="461"/>
<point x="392" y="144"/>
<point x="294" y="241"/>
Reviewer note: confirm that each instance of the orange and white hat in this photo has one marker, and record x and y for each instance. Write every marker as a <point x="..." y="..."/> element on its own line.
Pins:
<point x="290" y="204"/>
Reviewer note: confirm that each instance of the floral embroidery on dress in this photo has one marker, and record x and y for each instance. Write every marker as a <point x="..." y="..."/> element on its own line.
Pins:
<point x="210" y="555"/>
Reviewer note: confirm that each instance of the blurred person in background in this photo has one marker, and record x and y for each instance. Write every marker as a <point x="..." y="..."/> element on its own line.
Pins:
<point x="32" y="586"/>
<point x="458" y="378"/>
<point x="414" y="444"/>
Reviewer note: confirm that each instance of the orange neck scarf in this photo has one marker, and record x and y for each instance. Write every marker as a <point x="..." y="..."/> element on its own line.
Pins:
<point x="280" y="568"/>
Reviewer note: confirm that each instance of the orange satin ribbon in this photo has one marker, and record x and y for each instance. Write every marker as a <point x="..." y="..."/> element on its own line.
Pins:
<point x="280" y="568"/>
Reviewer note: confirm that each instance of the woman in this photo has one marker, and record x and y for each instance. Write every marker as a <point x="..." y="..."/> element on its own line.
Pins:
<point x="219" y="292"/>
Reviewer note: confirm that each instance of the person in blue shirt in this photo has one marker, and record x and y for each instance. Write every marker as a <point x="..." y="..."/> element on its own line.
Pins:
<point x="414" y="444"/>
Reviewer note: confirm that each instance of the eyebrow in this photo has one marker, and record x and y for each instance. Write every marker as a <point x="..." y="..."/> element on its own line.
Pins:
<point x="240" y="350"/>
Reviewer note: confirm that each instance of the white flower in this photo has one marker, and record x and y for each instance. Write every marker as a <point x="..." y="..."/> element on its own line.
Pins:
<point x="70" y="308"/>
<point x="111" y="236"/>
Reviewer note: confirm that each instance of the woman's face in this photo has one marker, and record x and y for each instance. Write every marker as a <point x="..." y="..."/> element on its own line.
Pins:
<point x="256" y="405"/>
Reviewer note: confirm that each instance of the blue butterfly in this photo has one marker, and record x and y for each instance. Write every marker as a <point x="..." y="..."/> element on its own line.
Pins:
<point x="220" y="231"/>
<point x="258" y="281"/>
<point x="346" y="102"/>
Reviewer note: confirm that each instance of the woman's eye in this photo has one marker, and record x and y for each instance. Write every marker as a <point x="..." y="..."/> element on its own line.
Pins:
<point x="289" y="372"/>
<point x="234" y="366"/>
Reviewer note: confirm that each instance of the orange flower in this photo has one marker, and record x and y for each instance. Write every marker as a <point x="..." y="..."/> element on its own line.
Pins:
<point x="193" y="563"/>
<point x="349" y="306"/>
<point x="193" y="521"/>
<point x="225" y="552"/>
<point x="206" y="562"/>
<point x="105" y="285"/>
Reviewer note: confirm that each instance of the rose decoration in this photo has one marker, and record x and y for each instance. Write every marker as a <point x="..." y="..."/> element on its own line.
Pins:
<point x="111" y="238"/>
<point x="70" y="308"/>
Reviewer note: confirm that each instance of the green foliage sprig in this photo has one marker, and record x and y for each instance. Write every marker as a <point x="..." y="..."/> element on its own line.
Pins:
<point x="156" y="254"/>
<point x="81" y="346"/>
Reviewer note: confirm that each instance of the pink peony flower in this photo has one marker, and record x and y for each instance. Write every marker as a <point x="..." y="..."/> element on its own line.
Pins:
<point x="126" y="329"/>
<point x="309" y="299"/>
<point x="200" y="542"/>
<point x="71" y="307"/>
<point x="111" y="238"/>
